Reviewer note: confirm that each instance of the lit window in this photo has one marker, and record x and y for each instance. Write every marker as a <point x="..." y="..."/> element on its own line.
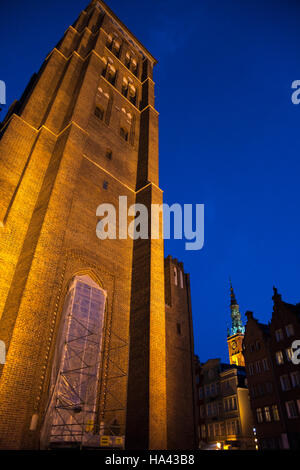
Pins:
<point x="267" y="414"/>
<point x="259" y="415"/>
<point x="289" y="354"/>
<point x="275" y="413"/>
<point x="289" y="330"/>
<point x="285" y="382"/>
<point x="231" y="428"/>
<point x="279" y="335"/>
<point x="279" y="358"/>
<point x="291" y="409"/>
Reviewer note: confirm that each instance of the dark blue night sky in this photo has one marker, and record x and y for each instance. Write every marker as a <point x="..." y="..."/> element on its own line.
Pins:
<point x="229" y="135"/>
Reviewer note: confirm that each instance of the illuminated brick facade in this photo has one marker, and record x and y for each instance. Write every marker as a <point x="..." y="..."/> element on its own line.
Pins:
<point x="84" y="132"/>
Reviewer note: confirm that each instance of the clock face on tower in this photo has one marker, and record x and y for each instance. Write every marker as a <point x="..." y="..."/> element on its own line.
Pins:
<point x="235" y="350"/>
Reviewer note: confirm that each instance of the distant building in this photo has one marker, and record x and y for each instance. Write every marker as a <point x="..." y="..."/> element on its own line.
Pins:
<point x="225" y="419"/>
<point x="273" y="379"/>
<point x="235" y="334"/>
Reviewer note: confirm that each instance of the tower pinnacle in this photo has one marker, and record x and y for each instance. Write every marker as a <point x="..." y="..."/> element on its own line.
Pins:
<point x="236" y="319"/>
<point x="232" y="295"/>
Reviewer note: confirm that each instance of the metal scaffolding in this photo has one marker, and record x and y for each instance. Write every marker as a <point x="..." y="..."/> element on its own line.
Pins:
<point x="71" y="416"/>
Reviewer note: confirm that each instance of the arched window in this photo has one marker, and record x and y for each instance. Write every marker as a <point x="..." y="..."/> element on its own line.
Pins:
<point x="111" y="74"/>
<point x="134" y="66"/>
<point x="116" y="47"/>
<point x="132" y="93"/>
<point x="109" y="41"/>
<point x="124" y="86"/>
<point x="71" y="411"/>
<point x="127" y="59"/>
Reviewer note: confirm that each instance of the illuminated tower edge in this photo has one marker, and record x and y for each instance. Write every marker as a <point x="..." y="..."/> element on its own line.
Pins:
<point x="236" y="333"/>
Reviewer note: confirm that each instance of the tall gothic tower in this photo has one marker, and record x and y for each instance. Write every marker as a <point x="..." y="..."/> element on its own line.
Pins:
<point x="236" y="333"/>
<point x="82" y="319"/>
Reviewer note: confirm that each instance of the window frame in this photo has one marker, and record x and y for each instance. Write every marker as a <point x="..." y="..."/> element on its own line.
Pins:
<point x="288" y="405"/>
<point x="277" y="355"/>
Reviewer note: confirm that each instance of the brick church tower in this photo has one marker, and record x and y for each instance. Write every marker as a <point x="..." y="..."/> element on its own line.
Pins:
<point x="82" y="318"/>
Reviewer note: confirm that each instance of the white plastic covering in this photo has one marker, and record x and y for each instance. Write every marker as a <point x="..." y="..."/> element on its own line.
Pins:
<point x="71" y="413"/>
